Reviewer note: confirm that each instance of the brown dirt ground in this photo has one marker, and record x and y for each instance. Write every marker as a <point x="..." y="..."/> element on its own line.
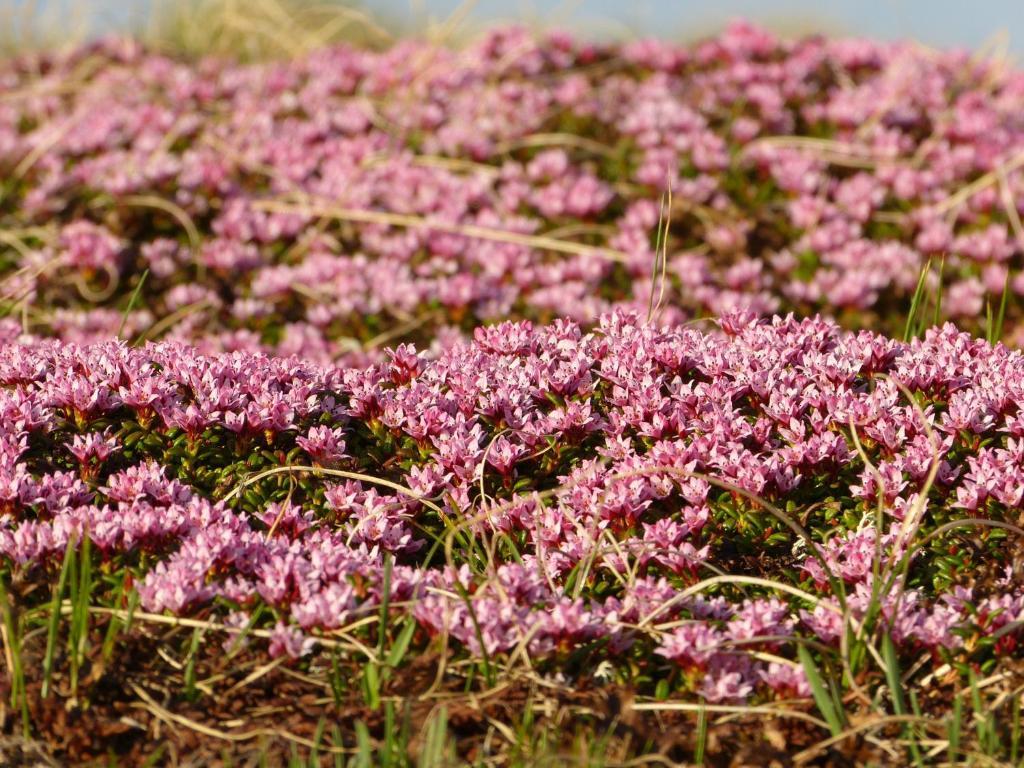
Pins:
<point x="138" y="704"/>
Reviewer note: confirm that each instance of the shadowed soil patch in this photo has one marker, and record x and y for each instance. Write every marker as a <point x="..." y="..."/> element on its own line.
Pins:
<point x="242" y="710"/>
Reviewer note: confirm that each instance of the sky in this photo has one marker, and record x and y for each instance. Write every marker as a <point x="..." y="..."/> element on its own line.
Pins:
<point x="941" y="23"/>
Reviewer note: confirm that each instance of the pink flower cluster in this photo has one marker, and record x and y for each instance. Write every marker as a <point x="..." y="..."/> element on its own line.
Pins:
<point x="327" y="205"/>
<point x="606" y="473"/>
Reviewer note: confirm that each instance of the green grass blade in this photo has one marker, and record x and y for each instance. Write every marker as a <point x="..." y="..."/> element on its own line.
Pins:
<point x="822" y="697"/>
<point x="371" y="685"/>
<point x="912" y="327"/>
<point x="318" y="739"/>
<point x="131" y="302"/>
<point x="892" y="674"/>
<point x="19" y="697"/>
<point x="953" y="730"/>
<point x="337" y="679"/>
<point x="702" y="735"/>
<point x="74" y="585"/>
<point x="997" y="330"/>
<point x="154" y="759"/>
<point x="80" y="610"/>
<point x="239" y="639"/>
<point x="981" y="722"/>
<point x="1015" y="707"/>
<point x="389" y="754"/>
<point x="485" y="656"/>
<point x="190" y="664"/>
<point x="385" y="598"/>
<point x="364" y="747"/>
<point x="116" y="623"/>
<point x="436" y="740"/>
<point x="660" y="236"/>
<point x="937" y="316"/>
<point x="53" y="625"/>
<point x="401" y="644"/>
<point x="911" y="732"/>
<point x="338" y="744"/>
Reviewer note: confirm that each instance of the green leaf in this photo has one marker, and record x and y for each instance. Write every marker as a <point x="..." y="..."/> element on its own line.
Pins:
<point x="661" y="690"/>
<point x="401" y="644"/>
<point x="371" y="685"/>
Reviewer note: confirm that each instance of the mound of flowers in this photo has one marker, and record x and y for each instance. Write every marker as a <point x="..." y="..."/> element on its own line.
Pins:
<point x="676" y="504"/>
<point x="347" y="200"/>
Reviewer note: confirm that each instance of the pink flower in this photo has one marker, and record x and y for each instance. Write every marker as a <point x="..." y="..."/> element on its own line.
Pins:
<point x="90" y="246"/>
<point x="289" y="641"/>
<point x="93" y="449"/>
<point x="694" y="642"/>
<point x="323" y="444"/>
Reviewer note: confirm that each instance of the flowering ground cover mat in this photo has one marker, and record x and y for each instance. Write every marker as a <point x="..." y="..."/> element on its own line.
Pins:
<point x="534" y="400"/>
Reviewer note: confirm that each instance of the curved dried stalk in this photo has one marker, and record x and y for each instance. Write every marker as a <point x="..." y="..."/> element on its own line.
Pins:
<point x="404" y="490"/>
<point x="540" y="242"/>
<point x="97" y="297"/>
<point x="727" y="579"/>
<point x="540" y="140"/>
<point x="40" y="149"/>
<point x="842" y="610"/>
<point x="827" y="150"/>
<point x="175" y="719"/>
<point x="882" y="722"/>
<point x="958" y="198"/>
<point x="176" y="211"/>
<point x="682" y="706"/>
<point x="455" y="164"/>
<point x="170" y="320"/>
